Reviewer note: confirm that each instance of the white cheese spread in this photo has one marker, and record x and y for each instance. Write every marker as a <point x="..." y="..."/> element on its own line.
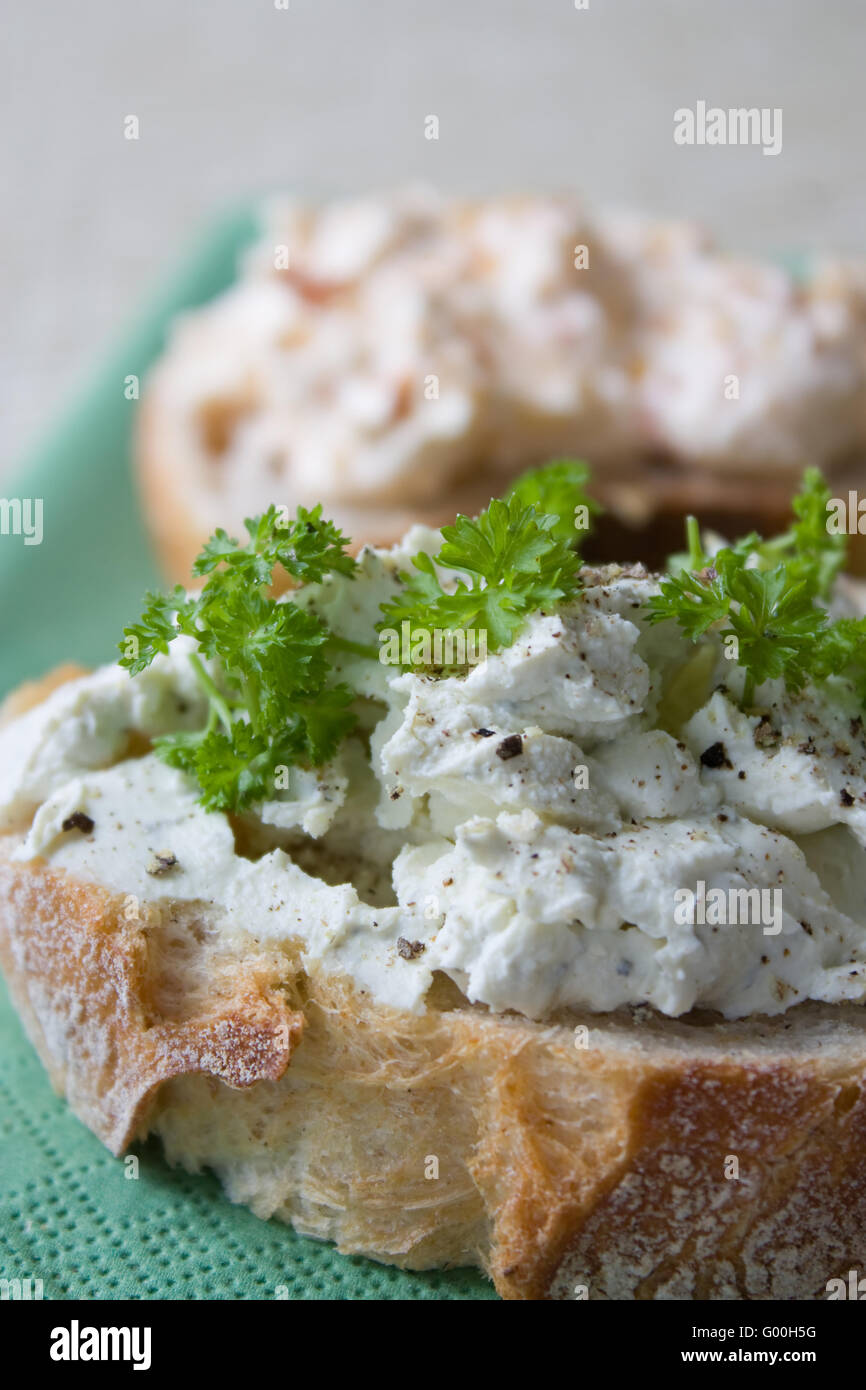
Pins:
<point x="529" y="829"/>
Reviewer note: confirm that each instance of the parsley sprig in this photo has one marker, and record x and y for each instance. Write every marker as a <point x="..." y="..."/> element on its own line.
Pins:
<point x="265" y="667"/>
<point x="807" y="549"/>
<point x="508" y="562"/>
<point x="270" y="702"/>
<point x="841" y="651"/>
<point x="559" y="490"/>
<point x="769" y="595"/>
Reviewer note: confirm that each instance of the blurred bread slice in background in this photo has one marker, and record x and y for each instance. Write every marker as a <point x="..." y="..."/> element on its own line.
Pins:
<point x="404" y="356"/>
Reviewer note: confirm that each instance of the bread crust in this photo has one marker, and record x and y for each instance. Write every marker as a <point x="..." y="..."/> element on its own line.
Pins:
<point x="604" y="1156"/>
<point x="87" y="982"/>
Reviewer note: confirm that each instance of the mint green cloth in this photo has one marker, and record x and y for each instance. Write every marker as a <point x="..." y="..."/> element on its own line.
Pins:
<point x="68" y="1215"/>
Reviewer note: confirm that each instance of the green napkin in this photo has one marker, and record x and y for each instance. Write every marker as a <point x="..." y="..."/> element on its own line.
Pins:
<point x="68" y="1214"/>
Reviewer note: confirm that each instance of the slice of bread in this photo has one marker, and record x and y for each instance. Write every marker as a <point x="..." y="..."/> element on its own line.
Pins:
<point x="610" y="1156"/>
<point x="421" y="351"/>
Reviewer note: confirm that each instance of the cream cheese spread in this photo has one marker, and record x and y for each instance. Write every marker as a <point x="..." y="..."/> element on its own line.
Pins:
<point x="530" y="829"/>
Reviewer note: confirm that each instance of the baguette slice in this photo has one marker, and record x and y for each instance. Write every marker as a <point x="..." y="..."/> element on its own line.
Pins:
<point x="610" y="1156"/>
<point x="689" y="379"/>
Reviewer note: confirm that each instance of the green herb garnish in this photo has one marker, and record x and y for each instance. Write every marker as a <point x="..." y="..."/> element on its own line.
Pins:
<point x="767" y="596"/>
<point x="559" y="489"/>
<point x="270" y="702"/>
<point x="807" y="549"/>
<point x="841" y="651"/>
<point x="266" y="666"/>
<point x="510" y="562"/>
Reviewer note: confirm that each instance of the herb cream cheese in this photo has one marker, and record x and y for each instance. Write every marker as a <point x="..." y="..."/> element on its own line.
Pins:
<point x="524" y="829"/>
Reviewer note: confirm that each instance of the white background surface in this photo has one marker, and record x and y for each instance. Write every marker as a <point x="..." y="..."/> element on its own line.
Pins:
<point x="236" y="97"/>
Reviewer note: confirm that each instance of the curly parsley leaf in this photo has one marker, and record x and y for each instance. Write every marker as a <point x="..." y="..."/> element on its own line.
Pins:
<point x="508" y="563"/>
<point x="841" y="651"/>
<point x="308" y="548"/>
<point x="696" y="601"/>
<point x="775" y="621"/>
<point x="271" y="701"/>
<point x="321" y="723"/>
<point x="808" y="548"/>
<point x="234" y="767"/>
<point x="769" y="596"/>
<point x="559" y="489"/>
<point x="164" y="616"/>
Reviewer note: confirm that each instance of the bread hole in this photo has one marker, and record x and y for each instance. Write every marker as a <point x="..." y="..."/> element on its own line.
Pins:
<point x="846" y="1098"/>
<point x="700" y="1018"/>
<point x="295" y="988"/>
<point x="218" y="418"/>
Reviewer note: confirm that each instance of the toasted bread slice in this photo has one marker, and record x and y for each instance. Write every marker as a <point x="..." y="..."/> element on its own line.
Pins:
<point x="610" y="1156"/>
